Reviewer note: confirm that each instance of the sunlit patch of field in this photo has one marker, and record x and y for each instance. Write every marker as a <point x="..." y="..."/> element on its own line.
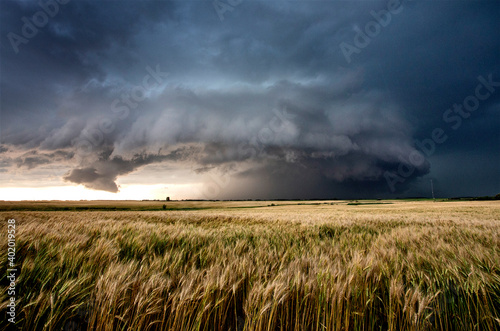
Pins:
<point x="256" y="265"/>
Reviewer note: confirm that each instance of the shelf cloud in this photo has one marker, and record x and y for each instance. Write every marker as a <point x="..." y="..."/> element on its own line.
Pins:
<point x="278" y="99"/>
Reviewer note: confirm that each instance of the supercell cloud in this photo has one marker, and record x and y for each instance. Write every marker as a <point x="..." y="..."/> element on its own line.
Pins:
<point x="258" y="99"/>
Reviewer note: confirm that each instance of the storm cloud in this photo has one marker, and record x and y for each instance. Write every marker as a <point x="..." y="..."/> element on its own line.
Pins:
<point x="301" y="99"/>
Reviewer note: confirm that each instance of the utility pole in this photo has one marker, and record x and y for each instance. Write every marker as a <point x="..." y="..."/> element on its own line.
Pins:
<point x="432" y="190"/>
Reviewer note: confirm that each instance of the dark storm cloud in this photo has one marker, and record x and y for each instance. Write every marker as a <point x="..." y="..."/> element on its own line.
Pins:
<point x="33" y="159"/>
<point x="66" y="56"/>
<point x="102" y="174"/>
<point x="266" y="96"/>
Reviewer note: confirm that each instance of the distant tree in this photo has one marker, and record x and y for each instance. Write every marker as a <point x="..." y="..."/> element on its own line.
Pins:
<point x="167" y="199"/>
<point x="497" y="197"/>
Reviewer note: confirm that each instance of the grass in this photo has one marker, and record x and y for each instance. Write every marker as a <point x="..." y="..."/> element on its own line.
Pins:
<point x="402" y="266"/>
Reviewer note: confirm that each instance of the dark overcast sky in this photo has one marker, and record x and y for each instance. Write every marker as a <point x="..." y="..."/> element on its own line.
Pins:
<point x="253" y="99"/>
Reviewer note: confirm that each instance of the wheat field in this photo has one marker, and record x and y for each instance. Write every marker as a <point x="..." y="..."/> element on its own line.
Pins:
<point x="255" y="265"/>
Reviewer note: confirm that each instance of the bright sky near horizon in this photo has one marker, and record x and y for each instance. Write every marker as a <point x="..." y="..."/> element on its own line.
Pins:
<point x="71" y="192"/>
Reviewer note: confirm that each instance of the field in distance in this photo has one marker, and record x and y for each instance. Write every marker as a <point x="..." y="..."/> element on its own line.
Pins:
<point x="151" y="205"/>
<point x="254" y="265"/>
